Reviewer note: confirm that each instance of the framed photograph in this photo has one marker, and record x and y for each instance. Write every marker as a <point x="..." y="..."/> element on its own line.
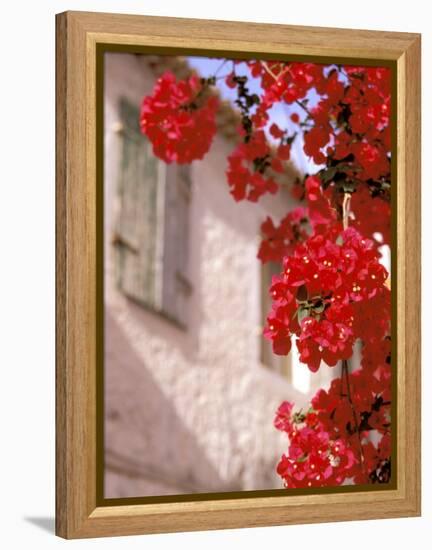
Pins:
<point x="238" y="274"/>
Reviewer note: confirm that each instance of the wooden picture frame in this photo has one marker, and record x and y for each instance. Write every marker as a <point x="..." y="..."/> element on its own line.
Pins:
<point x="80" y="38"/>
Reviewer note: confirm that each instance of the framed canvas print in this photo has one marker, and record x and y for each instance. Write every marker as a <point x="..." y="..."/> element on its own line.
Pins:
<point x="238" y="274"/>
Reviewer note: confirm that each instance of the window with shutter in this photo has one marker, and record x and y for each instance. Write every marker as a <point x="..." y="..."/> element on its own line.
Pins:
<point x="151" y="235"/>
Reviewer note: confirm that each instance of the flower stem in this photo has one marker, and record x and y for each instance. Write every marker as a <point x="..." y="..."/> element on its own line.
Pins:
<point x="346" y="209"/>
<point x="300" y="104"/>
<point x="220" y="67"/>
<point x="272" y="74"/>
<point x="345" y="370"/>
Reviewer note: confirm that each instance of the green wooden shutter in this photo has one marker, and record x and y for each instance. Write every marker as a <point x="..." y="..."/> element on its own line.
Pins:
<point x="136" y="233"/>
<point x="151" y="236"/>
<point x="176" y="287"/>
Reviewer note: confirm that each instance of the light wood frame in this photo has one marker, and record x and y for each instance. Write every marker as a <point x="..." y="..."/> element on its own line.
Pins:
<point x="77" y="511"/>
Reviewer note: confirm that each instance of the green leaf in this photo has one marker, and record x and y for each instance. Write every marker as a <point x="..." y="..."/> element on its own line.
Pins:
<point x="302" y="313"/>
<point x="327" y="174"/>
<point x="319" y="308"/>
<point x="348" y="186"/>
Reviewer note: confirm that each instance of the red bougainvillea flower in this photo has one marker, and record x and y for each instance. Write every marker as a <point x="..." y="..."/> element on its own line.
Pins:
<point x="351" y="415"/>
<point x="369" y="100"/>
<point x="332" y="439"/>
<point x="287" y="82"/>
<point x="280" y="241"/>
<point x="179" y="119"/>
<point x="314" y="459"/>
<point x="248" y="169"/>
<point x="320" y="209"/>
<point x="281" y="323"/>
<point x="316" y="295"/>
<point x="314" y="141"/>
<point x="367" y="324"/>
<point x="323" y="340"/>
<point x="369" y="396"/>
<point x="373" y="159"/>
<point x="371" y="215"/>
<point x="282" y="419"/>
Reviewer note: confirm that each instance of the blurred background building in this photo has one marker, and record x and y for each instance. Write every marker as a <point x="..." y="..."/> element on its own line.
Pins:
<point x="191" y="386"/>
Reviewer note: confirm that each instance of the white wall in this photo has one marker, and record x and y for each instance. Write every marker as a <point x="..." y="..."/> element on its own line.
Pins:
<point x="27" y="275"/>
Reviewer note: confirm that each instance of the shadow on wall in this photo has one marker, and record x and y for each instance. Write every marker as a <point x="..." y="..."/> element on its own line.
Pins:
<point x="148" y="448"/>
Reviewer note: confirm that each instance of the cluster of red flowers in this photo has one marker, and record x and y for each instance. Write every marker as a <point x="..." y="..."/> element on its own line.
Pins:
<point x="356" y="408"/>
<point x="314" y="458"/>
<point x="322" y="213"/>
<point x="248" y="169"/>
<point x="371" y="217"/>
<point x="280" y="241"/>
<point x="333" y="291"/>
<point x="284" y="82"/>
<point x="316" y="296"/>
<point x="179" y="118"/>
<point x="343" y="437"/>
<point x="368" y="395"/>
<point x="351" y="117"/>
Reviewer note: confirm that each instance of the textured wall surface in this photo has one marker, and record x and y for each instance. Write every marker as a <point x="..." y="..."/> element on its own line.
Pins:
<point x="190" y="410"/>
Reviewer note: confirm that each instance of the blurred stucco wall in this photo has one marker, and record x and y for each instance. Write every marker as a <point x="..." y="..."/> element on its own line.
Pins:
<point x="190" y="411"/>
